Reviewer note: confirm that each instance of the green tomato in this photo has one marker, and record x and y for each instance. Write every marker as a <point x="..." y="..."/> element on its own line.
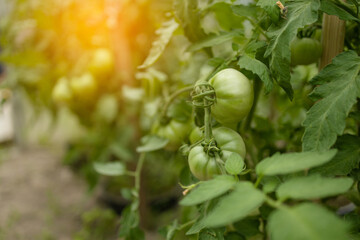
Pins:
<point x="305" y="51"/>
<point x="234" y="96"/>
<point x="195" y="135"/>
<point x="204" y="166"/>
<point x="107" y="108"/>
<point x="201" y="165"/>
<point x="61" y="92"/>
<point x="102" y="62"/>
<point x="84" y="87"/>
<point x="175" y="131"/>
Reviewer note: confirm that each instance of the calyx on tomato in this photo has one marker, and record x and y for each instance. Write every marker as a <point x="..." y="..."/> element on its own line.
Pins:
<point x="204" y="165"/>
<point x="305" y="51"/>
<point x="234" y="96"/>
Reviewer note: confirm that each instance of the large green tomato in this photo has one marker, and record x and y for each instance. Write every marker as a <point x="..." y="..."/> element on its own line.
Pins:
<point x="305" y="51"/>
<point x="234" y="96"/>
<point x="175" y="131"/>
<point x="203" y="166"/>
<point x="102" y="62"/>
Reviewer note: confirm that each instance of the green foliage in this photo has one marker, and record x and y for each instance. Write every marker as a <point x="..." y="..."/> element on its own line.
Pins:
<point x="312" y="187"/>
<point x="246" y="198"/>
<point x="208" y="190"/>
<point x="152" y="143"/>
<point x="110" y="168"/>
<point x="234" y="164"/>
<point x="306" y="221"/>
<point x="292" y="162"/>
<point x="338" y="87"/>
<point x="347" y="158"/>
<point x="300" y="14"/>
<point x="165" y="33"/>
<point x="98" y="224"/>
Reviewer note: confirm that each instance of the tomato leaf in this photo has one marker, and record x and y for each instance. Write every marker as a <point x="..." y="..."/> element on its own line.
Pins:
<point x="152" y="143"/>
<point x="129" y="221"/>
<point x="158" y="46"/>
<point x="312" y="187"/>
<point x="292" y="162"/>
<point x="331" y="8"/>
<point x="208" y="190"/>
<point x="247" y="199"/>
<point x="300" y="14"/>
<point x="110" y="168"/>
<point x="257" y="67"/>
<point x="214" y="40"/>
<point x="347" y="158"/>
<point x="306" y="221"/>
<point x="339" y="86"/>
<point x="186" y="11"/>
<point x="234" y="164"/>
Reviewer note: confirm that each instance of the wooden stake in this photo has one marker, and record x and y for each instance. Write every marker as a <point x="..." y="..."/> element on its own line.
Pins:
<point x="332" y="39"/>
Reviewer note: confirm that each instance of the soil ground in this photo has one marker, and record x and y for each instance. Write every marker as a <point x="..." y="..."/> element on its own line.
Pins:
<point x="40" y="199"/>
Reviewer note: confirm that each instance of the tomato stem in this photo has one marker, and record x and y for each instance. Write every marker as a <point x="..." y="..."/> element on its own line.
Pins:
<point x="207" y="122"/>
<point x="172" y="97"/>
<point x="257" y="89"/>
<point x="138" y="172"/>
<point x="258" y="181"/>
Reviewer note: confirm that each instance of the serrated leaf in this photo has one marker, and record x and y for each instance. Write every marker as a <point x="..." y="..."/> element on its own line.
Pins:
<point x="306" y="221"/>
<point x="212" y="234"/>
<point x="339" y="87"/>
<point x="214" y="40"/>
<point x="300" y="14"/>
<point x="152" y="143"/>
<point x="158" y="46"/>
<point x="247" y="11"/>
<point x="312" y="187"/>
<point x="266" y="3"/>
<point x="208" y="190"/>
<point x="234" y="164"/>
<point x="186" y="11"/>
<point x="347" y="158"/>
<point x="237" y="205"/>
<point x="292" y="162"/>
<point x="110" y="168"/>
<point x="196" y="227"/>
<point x="331" y="8"/>
<point x="257" y="67"/>
<point x="248" y="227"/>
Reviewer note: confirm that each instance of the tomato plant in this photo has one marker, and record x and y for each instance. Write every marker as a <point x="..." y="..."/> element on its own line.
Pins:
<point x="221" y="75"/>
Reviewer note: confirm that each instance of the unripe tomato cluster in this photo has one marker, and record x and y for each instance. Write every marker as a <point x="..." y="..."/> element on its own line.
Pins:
<point x="84" y="86"/>
<point x="234" y="99"/>
<point x="81" y="91"/>
<point x="204" y="166"/>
